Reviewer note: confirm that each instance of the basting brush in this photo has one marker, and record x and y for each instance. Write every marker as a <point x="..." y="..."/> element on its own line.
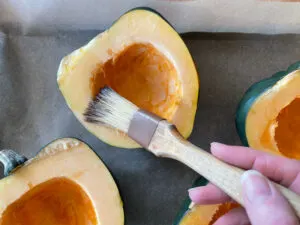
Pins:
<point x="162" y="139"/>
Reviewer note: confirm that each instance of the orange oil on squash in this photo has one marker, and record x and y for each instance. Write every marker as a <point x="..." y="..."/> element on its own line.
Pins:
<point x="287" y="133"/>
<point x="58" y="201"/>
<point x="143" y="75"/>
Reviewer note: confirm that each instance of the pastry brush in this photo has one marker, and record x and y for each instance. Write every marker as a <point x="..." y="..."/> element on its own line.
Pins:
<point x="162" y="139"/>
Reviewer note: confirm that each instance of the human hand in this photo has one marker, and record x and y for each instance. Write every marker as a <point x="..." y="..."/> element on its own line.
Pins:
<point x="264" y="204"/>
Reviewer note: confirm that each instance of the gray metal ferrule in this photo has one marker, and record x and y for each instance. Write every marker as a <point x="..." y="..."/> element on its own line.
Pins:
<point x="143" y="127"/>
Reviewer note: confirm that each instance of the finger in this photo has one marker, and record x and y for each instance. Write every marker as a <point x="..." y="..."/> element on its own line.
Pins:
<point x="264" y="203"/>
<point x="209" y="194"/>
<point x="237" y="216"/>
<point x="279" y="169"/>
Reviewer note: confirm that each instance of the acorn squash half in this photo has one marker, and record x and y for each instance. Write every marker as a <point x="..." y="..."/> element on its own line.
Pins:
<point x="65" y="184"/>
<point x="268" y="116"/>
<point x="143" y="59"/>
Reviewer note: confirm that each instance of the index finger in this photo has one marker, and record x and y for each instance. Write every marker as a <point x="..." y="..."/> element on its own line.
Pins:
<point x="279" y="169"/>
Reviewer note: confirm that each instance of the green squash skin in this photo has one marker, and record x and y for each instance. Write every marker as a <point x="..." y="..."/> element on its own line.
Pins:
<point x="252" y="94"/>
<point x="201" y="181"/>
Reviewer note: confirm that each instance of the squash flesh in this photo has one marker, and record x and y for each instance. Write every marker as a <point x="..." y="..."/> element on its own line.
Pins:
<point x="57" y="201"/>
<point x="143" y="75"/>
<point x="207" y="214"/>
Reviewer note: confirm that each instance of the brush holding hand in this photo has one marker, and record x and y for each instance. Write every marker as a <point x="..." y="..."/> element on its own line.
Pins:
<point x="264" y="204"/>
<point x="162" y="139"/>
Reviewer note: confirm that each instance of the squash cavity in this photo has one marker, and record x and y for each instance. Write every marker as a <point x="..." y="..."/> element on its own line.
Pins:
<point x="57" y="201"/>
<point x="143" y="69"/>
<point x="287" y="132"/>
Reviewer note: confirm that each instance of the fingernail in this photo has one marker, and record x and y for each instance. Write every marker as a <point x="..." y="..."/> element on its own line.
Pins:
<point x="193" y="192"/>
<point x="216" y="145"/>
<point x="255" y="186"/>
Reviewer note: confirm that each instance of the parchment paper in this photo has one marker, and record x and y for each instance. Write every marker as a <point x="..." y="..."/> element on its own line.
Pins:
<point x="33" y="111"/>
<point x="248" y="16"/>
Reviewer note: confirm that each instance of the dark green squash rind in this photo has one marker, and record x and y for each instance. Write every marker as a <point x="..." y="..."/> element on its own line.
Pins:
<point x="252" y="94"/>
<point x="201" y="181"/>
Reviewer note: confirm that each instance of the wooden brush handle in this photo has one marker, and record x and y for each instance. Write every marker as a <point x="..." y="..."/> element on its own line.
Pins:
<point x="167" y="142"/>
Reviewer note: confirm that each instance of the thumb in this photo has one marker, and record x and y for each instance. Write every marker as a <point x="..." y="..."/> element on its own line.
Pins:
<point x="264" y="203"/>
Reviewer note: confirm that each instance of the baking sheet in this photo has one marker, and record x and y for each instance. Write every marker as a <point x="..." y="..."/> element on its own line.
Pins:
<point x="33" y="111"/>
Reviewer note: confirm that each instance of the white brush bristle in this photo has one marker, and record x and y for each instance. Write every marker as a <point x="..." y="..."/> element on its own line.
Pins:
<point x="111" y="109"/>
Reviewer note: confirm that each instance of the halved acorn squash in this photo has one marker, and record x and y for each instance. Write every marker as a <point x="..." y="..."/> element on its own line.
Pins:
<point x="65" y="184"/>
<point x="142" y="58"/>
<point x="268" y="116"/>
